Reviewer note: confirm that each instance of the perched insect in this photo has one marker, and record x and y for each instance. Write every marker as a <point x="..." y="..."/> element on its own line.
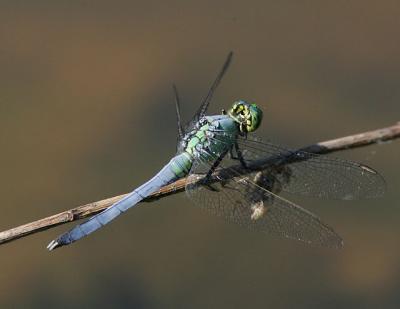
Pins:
<point x="219" y="156"/>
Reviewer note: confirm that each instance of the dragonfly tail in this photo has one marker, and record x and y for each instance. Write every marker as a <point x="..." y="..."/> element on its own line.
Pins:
<point x="96" y="222"/>
<point x="165" y="176"/>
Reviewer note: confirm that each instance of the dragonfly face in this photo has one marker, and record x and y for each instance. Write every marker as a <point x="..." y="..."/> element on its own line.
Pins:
<point x="248" y="115"/>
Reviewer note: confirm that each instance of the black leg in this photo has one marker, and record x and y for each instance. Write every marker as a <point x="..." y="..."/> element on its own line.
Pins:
<point x="215" y="164"/>
<point x="211" y="171"/>
<point x="240" y="156"/>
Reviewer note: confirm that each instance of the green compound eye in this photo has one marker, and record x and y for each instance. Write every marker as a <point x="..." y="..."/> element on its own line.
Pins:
<point x="256" y="115"/>
<point x="248" y="115"/>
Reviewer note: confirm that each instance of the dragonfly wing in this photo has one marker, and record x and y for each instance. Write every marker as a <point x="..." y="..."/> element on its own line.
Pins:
<point x="181" y="131"/>
<point x="315" y="175"/>
<point x="206" y="101"/>
<point x="201" y="111"/>
<point x="244" y="201"/>
<point x="310" y="174"/>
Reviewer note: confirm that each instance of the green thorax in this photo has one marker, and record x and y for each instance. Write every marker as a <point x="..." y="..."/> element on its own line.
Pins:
<point x="210" y="137"/>
<point x="213" y="135"/>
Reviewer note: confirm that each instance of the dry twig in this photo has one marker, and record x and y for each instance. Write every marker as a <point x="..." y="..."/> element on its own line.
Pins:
<point x="80" y="212"/>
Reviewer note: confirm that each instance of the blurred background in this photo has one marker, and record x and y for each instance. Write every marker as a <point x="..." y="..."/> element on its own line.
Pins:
<point x="87" y="112"/>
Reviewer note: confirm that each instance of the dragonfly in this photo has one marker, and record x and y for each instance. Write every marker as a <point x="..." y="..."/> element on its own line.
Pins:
<point x="233" y="174"/>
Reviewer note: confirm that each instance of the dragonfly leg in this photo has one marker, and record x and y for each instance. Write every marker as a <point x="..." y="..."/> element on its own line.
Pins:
<point x="215" y="164"/>
<point x="239" y="155"/>
<point x="211" y="171"/>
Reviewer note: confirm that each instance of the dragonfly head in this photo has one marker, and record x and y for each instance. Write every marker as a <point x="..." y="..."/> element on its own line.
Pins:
<point x="247" y="115"/>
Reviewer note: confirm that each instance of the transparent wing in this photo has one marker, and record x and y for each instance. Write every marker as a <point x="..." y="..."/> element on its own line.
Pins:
<point x="309" y="174"/>
<point x="245" y="200"/>
<point x="206" y="101"/>
<point x="201" y="111"/>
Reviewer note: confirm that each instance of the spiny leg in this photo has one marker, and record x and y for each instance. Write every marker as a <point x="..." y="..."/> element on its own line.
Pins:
<point x="215" y="164"/>
<point x="212" y="170"/>
<point x="239" y="155"/>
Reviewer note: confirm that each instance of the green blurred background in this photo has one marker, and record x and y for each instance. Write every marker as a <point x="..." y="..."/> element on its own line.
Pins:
<point x="86" y="112"/>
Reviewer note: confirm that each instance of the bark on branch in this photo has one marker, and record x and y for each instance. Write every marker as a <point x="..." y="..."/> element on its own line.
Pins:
<point x="84" y="211"/>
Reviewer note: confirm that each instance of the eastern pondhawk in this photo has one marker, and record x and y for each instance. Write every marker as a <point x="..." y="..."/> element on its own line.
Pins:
<point x="221" y="161"/>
